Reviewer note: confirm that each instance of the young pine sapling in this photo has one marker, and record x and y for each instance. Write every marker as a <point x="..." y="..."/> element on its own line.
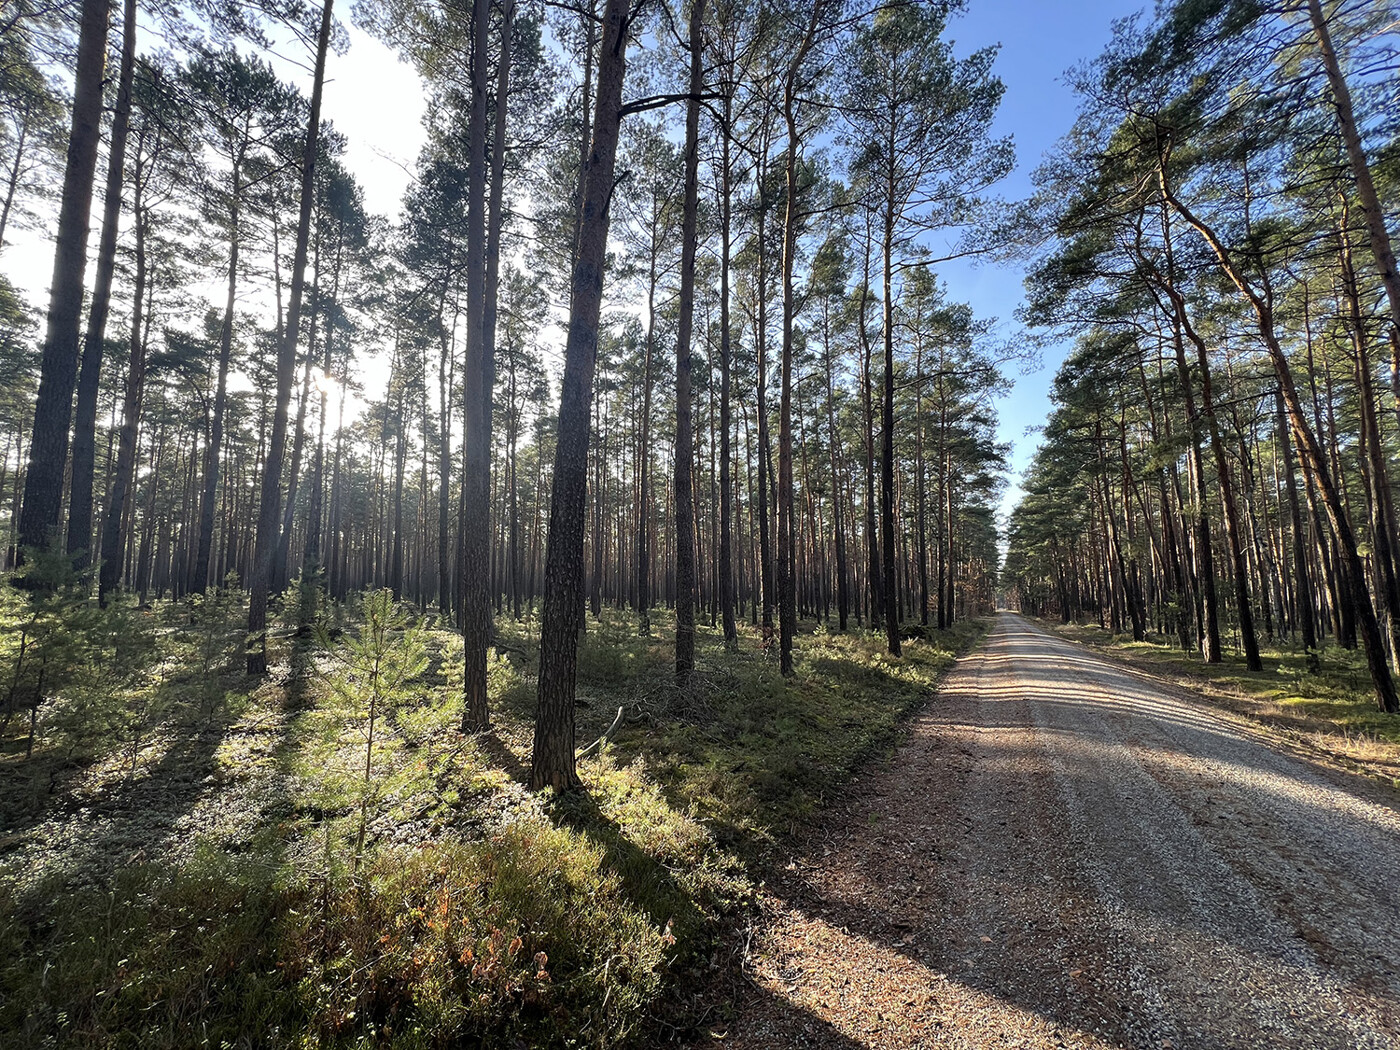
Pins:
<point x="376" y="667"/>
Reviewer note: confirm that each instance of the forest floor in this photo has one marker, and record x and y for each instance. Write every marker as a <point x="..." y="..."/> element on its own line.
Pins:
<point x="1068" y="852"/>
<point x="178" y="859"/>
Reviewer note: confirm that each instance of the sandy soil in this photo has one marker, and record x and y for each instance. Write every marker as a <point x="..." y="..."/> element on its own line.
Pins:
<point x="1066" y="853"/>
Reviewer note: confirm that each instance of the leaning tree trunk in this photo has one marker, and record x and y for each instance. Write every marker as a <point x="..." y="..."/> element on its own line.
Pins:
<point x="1209" y="618"/>
<point x="1373" y="457"/>
<point x="552" y="762"/>
<point x="90" y="373"/>
<point x="114" y="525"/>
<point x="1314" y="459"/>
<point x="1229" y="506"/>
<point x="269" y="516"/>
<point x="1377" y="234"/>
<point x="53" y="405"/>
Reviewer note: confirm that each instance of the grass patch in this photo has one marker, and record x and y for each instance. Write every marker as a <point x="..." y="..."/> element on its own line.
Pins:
<point x="763" y="752"/>
<point x="475" y="913"/>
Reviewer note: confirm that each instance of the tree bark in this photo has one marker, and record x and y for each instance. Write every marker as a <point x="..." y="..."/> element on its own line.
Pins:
<point x="90" y="372"/>
<point x="843" y="598"/>
<point x="1227" y="488"/>
<point x="53" y="405"/>
<point x="474" y="543"/>
<point x="113" y="528"/>
<point x="874" y="571"/>
<point x="787" y="598"/>
<point x="1377" y="234"/>
<point x="726" y="495"/>
<point x="1313" y="456"/>
<point x="1209" y="619"/>
<point x="887" y="432"/>
<point x="553" y="761"/>
<point x="684" y="448"/>
<point x="1302" y="584"/>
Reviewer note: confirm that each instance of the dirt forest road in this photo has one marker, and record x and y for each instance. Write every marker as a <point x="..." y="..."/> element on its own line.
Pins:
<point x="1067" y="854"/>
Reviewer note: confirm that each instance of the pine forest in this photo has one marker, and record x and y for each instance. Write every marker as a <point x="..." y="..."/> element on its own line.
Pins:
<point x="718" y="508"/>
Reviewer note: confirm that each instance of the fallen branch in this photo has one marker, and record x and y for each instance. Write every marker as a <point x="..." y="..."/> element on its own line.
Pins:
<point x="597" y="744"/>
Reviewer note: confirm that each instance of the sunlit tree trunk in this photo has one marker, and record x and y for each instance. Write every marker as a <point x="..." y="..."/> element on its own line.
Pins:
<point x="684" y="448"/>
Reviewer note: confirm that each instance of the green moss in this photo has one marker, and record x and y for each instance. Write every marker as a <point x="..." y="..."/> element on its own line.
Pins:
<point x="765" y="752"/>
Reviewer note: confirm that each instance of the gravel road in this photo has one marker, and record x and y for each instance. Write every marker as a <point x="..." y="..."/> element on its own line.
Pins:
<point x="1067" y="853"/>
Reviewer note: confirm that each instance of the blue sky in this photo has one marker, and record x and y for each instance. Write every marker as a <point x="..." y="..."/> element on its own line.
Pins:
<point x="1040" y="40"/>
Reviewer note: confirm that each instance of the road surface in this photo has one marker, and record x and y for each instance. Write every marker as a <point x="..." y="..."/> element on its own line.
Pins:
<point x="1066" y="853"/>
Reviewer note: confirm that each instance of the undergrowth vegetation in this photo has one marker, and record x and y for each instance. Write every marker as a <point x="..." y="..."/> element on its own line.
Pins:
<point x="191" y="858"/>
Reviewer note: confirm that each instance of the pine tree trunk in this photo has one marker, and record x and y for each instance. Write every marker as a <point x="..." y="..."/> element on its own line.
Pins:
<point x="1209" y="610"/>
<point x="1227" y="491"/>
<point x="1302" y="584"/>
<point x="645" y="584"/>
<point x="787" y="606"/>
<point x="474" y="541"/>
<point x="214" y="447"/>
<point x="1372" y="454"/>
<point x="269" y="516"/>
<point x="684" y="449"/>
<point x="445" y="370"/>
<point x="1376" y="232"/>
<point x="843" y="597"/>
<point x="1313" y="455"/>
<point x="312" y="551"/>
<point x="726" y="495"/>
<point x="280" y="576"/>
<point x="81" y="472"/>
<point x="887" y="529"/>
<point x="39" y="520"/>
<point x="874" y="576"/>
<point x="113" y="531"/>
<point x="553" y="761"/>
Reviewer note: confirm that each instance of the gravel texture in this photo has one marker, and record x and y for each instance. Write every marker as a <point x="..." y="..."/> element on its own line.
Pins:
<point x="1068" y="853"/>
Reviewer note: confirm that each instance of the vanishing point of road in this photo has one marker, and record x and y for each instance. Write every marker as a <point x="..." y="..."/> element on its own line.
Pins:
<point x="1067" y="853"/>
